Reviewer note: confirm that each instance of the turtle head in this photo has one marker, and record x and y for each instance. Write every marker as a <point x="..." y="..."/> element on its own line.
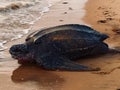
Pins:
<point x="22" y="53"/>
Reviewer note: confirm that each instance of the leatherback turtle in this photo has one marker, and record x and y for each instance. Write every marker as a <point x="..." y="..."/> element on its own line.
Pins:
<point x="57" y="47"/>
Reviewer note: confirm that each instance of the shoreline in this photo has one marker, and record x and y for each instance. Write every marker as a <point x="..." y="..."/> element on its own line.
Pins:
<point x="8" y="44"/>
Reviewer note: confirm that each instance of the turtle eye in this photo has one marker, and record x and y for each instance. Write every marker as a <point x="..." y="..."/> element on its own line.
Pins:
<point x="22" y="48"/>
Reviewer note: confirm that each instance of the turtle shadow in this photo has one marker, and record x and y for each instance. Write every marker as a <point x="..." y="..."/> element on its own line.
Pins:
<point x="31" y="73"/>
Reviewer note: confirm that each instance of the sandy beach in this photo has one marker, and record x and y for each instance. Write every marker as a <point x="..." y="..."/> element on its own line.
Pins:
<point x="101" y="15"/>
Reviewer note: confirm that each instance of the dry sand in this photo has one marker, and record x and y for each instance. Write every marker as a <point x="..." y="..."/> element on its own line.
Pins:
<point x="102" y="16"/>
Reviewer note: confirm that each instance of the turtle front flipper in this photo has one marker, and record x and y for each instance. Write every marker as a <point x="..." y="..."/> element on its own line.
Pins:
<point x="57" y="62"/>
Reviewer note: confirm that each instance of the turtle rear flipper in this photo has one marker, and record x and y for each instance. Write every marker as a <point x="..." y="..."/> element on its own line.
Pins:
<point x="53" y="61"/>
<point x="115" y="50"/>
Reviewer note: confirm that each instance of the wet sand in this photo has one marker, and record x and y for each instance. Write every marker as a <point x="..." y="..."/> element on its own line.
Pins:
<point x="98" y="16"/>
